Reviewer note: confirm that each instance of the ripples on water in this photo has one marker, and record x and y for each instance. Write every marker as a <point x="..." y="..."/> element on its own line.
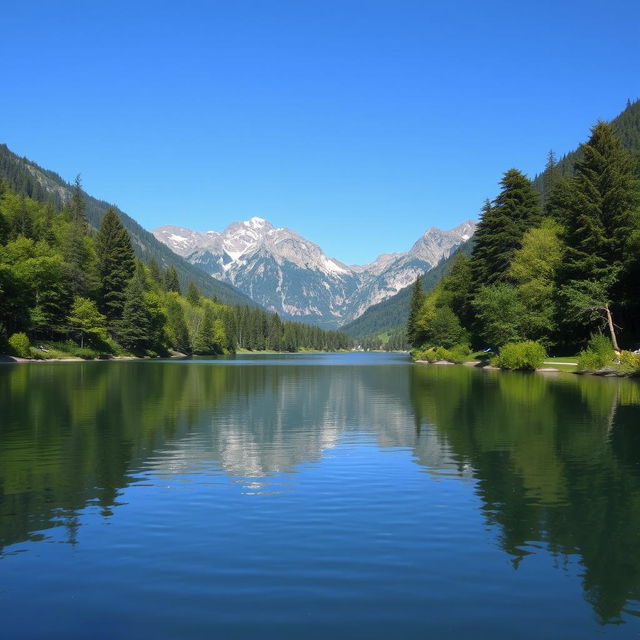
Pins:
<point x="351" y="494"/>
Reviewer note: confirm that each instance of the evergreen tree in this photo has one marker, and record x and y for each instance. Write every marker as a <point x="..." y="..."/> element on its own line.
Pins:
<point x="116" y="265"/>
<point x="155" y="272"/>
<point x="134" y="331"/>
<point x="4" y="229"/>
<point x="171" y="282"/>
<point x="23" y="224"/>
<point x="193" y="294"/>
<point x="455" y="287"/>
<point x="77" y="205"/>
<point x="274" y="339"/>
<point x="599" y="208"/>
<point x="502" y="225"/>
<point x="550" y="176"/>
<point x="203" y="341"/>
<point x="177" y="327"/>
<point x="417" y="300"/>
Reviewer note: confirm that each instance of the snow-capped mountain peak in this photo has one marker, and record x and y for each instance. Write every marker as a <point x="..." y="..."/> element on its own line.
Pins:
<point x="287" y="273"/>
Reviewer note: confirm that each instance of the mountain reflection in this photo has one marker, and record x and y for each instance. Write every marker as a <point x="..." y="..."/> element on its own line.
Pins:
<point x="555" y="459"/>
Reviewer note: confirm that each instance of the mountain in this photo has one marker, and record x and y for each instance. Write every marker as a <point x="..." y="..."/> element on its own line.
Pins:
<point x="284" y="272"/>
<point x="29" y="179"/>
<point x="392" y="313"/>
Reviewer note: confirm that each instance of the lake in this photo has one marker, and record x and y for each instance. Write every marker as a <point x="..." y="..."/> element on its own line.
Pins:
<point x="351" y="495"/>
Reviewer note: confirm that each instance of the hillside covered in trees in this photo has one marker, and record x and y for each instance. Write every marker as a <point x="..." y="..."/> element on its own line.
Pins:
<point x="387" y="317"/>
<point x="28" y="179"/>
<point x="552" y="267"/>
<point x="66" y="289"/>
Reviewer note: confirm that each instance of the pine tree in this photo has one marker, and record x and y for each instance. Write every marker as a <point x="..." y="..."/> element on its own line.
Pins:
<point x="599" y="208"/>
<point x="77" y="206"/>
<point x="550" y="176"/>
<point x="203" y="340"/>
<point x="171" y="282"/>
<point x="417" y="300"/>
<point x="116" y="265"/>
<point x="274" y="339"/>
<point x="177" y="327"/>
<point x="135" y="329"/>
<point x="193" y="294"/>
<point x="4" y="229"/>
<point x="456" y="287"/>
<point x="502" y="226"/>
<point x="156" y="273"/>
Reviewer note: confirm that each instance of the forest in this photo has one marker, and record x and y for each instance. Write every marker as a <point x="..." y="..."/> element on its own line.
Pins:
<point x="555" y="266"/>
<point x="67" y="289"/>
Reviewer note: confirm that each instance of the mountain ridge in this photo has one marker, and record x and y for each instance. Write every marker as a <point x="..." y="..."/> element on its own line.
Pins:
<point x="289" y="274"/>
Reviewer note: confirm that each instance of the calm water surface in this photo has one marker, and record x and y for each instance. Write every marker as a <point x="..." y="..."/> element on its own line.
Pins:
<point x="356" y="495"/>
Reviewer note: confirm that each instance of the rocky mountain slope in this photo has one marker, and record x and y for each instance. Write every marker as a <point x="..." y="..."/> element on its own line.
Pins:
<point x="285" y="272"/>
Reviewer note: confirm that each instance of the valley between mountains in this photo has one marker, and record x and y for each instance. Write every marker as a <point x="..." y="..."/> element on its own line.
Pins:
<point x="284" y="272"/>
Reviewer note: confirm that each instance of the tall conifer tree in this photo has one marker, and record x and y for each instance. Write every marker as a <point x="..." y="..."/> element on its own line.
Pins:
<point x="502" y="226"/>
<point x="417" y="300"/>
<point x="135" y="328"/>
<point x="116" y="265"/>
<point x="599" y="208"/>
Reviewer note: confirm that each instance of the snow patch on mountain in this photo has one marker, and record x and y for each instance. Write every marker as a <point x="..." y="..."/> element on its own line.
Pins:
<point x="289" y="274"/>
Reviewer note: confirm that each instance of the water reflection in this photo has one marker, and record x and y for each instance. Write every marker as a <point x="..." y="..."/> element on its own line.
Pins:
<point x="555" y="460"/>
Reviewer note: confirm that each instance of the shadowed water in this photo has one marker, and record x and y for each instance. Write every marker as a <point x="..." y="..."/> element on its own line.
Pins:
<point x="350" y="494"/>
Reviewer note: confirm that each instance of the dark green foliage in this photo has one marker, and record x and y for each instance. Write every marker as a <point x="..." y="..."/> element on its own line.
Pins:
<point x="193" y="294"/>
<point x="502" y="225"/>
<point x="550" y="177"/>
<point x="210" y="336"/>
<point x="77" y="206"/>
<point x="456" y="287"/>
<point x="77" y="255"/>
<point x="599" y="208"/>
<point x="4" y="229"/>
<point x="255" y="329"/>
<point x="14" y="309"/>
<point x="116" y="265"/>
<point x="22" y="220"/>
<point x="415" y="307"/>
<point x="155" y="271"/>
<point x="177" y="327"/>
<point x="134" y="331"/>
<point x="170" y="280"/>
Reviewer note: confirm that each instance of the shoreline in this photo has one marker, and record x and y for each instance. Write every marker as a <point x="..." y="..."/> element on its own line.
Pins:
<point x="19" y="360"/>
<point x="476" y="364"/>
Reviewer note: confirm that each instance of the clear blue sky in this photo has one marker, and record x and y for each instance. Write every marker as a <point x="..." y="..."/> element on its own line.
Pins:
<point x="357" y="123"/>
